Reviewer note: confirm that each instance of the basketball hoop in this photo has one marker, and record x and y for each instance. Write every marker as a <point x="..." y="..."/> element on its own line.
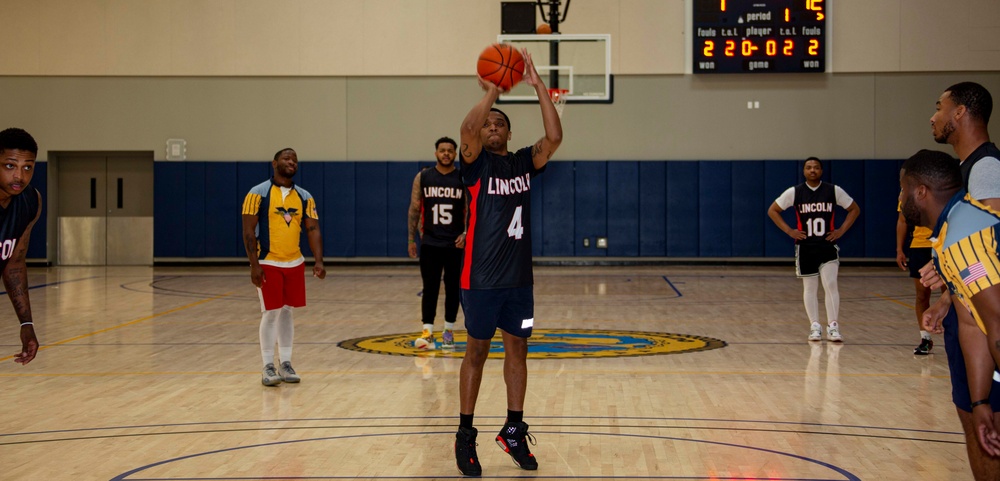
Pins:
<point x="559" y="97"/>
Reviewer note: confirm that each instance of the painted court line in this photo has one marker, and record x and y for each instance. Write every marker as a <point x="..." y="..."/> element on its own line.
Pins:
<point x="126" y="324"/>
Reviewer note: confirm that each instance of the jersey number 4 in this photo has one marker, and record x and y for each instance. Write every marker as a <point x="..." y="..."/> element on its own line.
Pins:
<point x="516" y="228"/>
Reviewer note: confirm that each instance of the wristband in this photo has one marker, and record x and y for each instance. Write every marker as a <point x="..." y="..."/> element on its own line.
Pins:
<point x="411" y="241"/>
<point x="29" y="323"/>
<point x="980" y="402"/>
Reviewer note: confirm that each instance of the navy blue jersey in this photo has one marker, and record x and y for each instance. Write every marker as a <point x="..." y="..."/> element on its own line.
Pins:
<point x="814" y="212"/>
<point x="443" y="207"/>
<point x="14" y="220"/>
<point x="498" y="243"/>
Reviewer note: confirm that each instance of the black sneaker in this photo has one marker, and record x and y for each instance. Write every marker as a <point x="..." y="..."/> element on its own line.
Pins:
<point x="465" y="452"/>
<point x="924" y="348"/>
<point x="513" y="438"/>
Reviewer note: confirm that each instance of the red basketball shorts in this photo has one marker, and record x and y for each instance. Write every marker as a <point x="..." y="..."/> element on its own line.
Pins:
<point x="283" y="286"/>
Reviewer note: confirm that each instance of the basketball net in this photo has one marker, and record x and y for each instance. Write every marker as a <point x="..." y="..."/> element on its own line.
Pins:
<point x="558" y="97"/>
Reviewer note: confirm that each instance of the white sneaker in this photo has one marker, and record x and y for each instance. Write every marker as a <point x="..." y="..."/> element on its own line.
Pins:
<point x="270" y="377"/>
<point x="833" y="334"/>
<point x="425" y="341"/>
<point x="815" y="332"/>
<point x="287" y="373"/>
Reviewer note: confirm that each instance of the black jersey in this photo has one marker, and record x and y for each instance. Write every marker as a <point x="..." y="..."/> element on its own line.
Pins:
<point x="443" y="207"/>
<point x="14" y="220"/>
<point x="988" y="149"/>
<point x="814" y="212"/>
<point x="498" y="243"/>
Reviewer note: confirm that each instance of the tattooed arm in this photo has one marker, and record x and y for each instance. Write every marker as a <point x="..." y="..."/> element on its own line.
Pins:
<point x="413" y="217"/>
<point x="15" y="280"/>
<point x="472" y="143"/>
<point x="542" y="151"/>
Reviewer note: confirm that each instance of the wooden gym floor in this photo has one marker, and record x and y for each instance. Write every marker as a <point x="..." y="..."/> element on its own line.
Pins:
<point x="153" y="374"/>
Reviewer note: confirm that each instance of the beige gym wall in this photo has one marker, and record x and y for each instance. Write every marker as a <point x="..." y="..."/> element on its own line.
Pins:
<point x="381" y="79"/>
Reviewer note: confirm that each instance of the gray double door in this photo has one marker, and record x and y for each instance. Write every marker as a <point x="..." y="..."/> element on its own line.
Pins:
<point x="105" y="214"/>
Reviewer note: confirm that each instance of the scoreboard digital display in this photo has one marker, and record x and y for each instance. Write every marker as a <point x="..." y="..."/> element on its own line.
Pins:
<point x="759" y="36"/>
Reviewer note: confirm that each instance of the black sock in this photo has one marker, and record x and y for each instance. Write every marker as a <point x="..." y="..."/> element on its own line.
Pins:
<point x="465" y="420"/>
<point x="515" y="416"/>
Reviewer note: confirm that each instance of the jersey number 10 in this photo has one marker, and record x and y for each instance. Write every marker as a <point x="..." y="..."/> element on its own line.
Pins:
<point x="816" y="227"/>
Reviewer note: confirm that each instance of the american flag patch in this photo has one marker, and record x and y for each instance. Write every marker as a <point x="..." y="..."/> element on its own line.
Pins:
<point x="973" y="273"/>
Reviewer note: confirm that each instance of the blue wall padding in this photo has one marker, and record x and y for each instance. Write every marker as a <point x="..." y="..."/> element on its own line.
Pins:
<point x="778" y="176"/>
<point x="169" y="201"/>
<point x="715" y="209"/>
<point x="339" y="209"/>
<point x="537" y="219"/>
<point x="557" y="210"/>
<point x="849" y="175"/>
<point x="400" y="179"/>
<point x="623" y="208"/>
<point x="222" y="198"/>
<point x="644" y="208"/>
<point x="652" y="209"/>
<point x="591" y="191"/>
<point x="879" y="210"/>
<point x="36" y="244"/>
<point x="195" y="201"/>
<point x="747" y="199"/>
<point x="682" y="209"/>
<point x="371" y="197"/>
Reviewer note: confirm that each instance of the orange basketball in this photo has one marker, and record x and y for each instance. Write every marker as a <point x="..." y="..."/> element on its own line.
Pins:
<point x="502" y="65"/>
<point x="543" y="29"/>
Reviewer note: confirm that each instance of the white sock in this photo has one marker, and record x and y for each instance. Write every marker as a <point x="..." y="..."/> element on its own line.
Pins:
<point x="925" y="335"/>
<point x="286" y="331"/>
<point x="810" y="285"/>
<point x="828" y="273"/>
<point x="268" y="334"/>
<point x="449" y="326"/>
<point x="429" y="328"/>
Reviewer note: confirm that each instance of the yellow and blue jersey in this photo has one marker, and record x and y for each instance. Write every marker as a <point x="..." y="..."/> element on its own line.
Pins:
<point x="965" y="249"/>
<point x="280" y="214"/>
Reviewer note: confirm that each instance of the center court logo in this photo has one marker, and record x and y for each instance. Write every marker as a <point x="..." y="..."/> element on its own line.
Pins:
<point x="550" y="344"/>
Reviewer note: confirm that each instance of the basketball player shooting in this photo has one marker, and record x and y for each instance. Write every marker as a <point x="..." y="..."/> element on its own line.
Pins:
<point x="496" y="276"/>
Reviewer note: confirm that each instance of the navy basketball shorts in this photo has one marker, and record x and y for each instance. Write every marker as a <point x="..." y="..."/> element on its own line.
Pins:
<point x="918" y="258"/>
<point x="956" y="364"/>
<point x="810" y="257"/>
<point x="511" y="309"/>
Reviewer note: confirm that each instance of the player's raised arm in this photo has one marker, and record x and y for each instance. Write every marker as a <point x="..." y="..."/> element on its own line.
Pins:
<point x="542" y="151"/>
<point x="472" y="143"/>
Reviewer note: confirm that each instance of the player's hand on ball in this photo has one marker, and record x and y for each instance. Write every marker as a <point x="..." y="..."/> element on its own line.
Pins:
<point x="530" y="74"/>
<point x="489" y="86"/>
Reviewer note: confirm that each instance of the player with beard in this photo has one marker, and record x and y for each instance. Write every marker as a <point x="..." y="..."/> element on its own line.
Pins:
<point x="274" y="213"/>
<point x="961" y="119"/>
<point x="437" y="211"/>
<point x="21" y="205"/>
<point x="965" y="253"/>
